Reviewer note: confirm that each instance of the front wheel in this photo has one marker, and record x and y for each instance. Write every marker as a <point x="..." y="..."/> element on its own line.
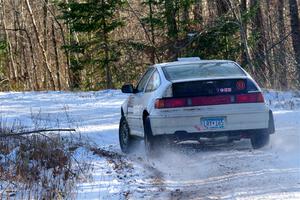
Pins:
<point x="259" y="140"/>
<point x="125" y="139"/>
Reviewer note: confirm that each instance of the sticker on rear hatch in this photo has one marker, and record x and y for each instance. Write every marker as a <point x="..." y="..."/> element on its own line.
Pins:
<point x="213" y="122"/>
<point x="224" y="90"/>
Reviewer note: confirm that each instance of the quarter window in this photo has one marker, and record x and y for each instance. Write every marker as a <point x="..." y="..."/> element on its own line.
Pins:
<point x="154" y="82"/>
<point x="142" y="83"/>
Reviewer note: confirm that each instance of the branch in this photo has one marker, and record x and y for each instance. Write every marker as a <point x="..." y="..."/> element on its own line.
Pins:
<point x="262" y="57"/>
<point x="3" y="81"/>
<point x="35" y="131"/>
<point x="144" y="28"/>
<point x="279" y="41"/>
<point x="14" y="29"/>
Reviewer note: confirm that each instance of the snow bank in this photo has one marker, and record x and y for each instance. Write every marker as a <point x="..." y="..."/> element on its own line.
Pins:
<point x="289" y="100"/>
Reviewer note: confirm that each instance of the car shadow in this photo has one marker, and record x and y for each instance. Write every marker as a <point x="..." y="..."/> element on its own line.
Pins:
<point x="210" y="146"/>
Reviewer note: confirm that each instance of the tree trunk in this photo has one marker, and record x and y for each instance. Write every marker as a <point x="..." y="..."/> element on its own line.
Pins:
<point x="45" y="24"/>
<point x="45" y="34"/>
<point x="268" y="32"/>
<point x="172" y="31"/>
<point x="198" y="13"/>
<point x="237" y="13"/>
<point x="243" y="10"/>
<point x="295" y="27"/>
<point x="258" y="29"/>
<point x="32" y="70"/>
<point x="186" y="13"/>
<point x="171" y="19"/>
<point x="106" y="64"/>
<point x="45" y="59"/>
<point x="222" y="7"/>
<point x="211" y="12"/>
<point x="56" y="56"/>
<point x="152" y="57"/>
<point x="12" y="73"/>
<point x="16" y="46"/>
<point x="26" y="71"/>
<point x="65" y="43"/>
<point x="282" y="76"/>
<point x="34" y="65"/>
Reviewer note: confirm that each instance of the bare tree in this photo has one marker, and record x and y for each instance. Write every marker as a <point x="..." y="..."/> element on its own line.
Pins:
<point x="258" y="29"/>
<point x="12" y="69"/>
<point x="282" y="77"/>
<point x="56" y="56"/>
<point x="295" y="27"/>
<point x="45" y="59"/>
<point x="237" y="13"/>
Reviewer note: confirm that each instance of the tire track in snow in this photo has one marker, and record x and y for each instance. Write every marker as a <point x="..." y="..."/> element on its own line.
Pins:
<point x="153" y="184"/>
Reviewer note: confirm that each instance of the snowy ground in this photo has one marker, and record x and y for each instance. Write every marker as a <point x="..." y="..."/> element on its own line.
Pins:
<point x="224" y="171"/>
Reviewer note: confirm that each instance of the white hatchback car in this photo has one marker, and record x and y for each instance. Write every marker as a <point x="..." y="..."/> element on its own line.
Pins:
<point x="192" y="99"/>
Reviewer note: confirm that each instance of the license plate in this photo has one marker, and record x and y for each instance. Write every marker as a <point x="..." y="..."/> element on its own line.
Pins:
<point x="213" y="122"/>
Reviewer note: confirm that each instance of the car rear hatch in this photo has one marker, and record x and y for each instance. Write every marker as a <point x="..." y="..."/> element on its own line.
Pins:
<point x="211" y="92"/>
<point x="209" y="87"/>
<point x="211" y="105"/>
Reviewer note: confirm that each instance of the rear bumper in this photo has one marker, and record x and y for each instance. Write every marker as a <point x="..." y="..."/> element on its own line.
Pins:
<point x="172" y="123"/>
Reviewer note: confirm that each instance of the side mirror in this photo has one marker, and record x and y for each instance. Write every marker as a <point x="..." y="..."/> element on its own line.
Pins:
<point x="127" y="88"/>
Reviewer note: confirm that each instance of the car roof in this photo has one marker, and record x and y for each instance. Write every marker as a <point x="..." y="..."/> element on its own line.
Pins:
<point x="186" y="62"/>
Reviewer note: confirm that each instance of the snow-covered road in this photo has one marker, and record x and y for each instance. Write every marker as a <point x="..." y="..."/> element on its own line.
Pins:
<point x="190" y="171"/>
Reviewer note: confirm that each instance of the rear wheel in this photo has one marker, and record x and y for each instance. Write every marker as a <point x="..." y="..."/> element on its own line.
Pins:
<point x="259" y="140"/>
<point x="149" y="139"/>
<point x="125" y="139"/>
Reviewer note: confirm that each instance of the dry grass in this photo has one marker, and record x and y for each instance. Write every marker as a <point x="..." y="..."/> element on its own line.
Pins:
<point x="39" y="166"/>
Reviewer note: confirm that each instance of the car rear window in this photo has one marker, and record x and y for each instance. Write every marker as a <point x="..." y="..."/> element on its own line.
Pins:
<point x="202" y="70"/>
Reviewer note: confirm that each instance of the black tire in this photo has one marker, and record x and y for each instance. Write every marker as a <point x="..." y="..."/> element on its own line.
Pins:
<point x="125" y="139"/>
<point x="271" y="123"/>
<point x="149" y="139"/>
<point x="259" y="140"/>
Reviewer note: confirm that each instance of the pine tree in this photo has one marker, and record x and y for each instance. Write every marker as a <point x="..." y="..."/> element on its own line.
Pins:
<point x="153" y="23"/>
<point x="96" y="20"/>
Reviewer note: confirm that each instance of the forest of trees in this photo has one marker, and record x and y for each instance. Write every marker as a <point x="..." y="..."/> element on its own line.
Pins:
<point x="97" y="44"/>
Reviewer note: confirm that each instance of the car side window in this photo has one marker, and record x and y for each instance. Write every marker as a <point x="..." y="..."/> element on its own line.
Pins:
<point x="154" y="82"/>
<point x="142" y="83"/>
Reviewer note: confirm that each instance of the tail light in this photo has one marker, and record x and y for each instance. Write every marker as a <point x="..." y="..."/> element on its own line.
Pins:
<point x="250" y="98"/>
<point x="170" y="103"/>
<point x="211" y="100"/>
<point x="160" y="103"/>
<point x="214" y="100"/>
